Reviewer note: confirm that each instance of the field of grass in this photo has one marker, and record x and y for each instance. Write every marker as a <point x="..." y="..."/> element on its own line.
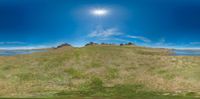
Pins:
<point x="101" y="71"/>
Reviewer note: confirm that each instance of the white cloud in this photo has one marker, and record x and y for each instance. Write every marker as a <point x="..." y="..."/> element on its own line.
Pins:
<point x="105" y="33"/>
<point x="195" y="43"/>
<point x="140" y="38"/>
<point x="30" y="46"/>
<point x="113" y="34"/>
<point x="161" y="42"/>
<point x="122" y="40"/>
<point x="24" y="47"/>
<point x="9" y="43"/>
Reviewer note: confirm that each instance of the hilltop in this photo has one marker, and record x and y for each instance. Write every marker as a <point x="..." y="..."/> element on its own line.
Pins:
<point x="100" y="70"/>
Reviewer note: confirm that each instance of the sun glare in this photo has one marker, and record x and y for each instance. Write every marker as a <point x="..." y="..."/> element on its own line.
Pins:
<point x="99" y="12"/>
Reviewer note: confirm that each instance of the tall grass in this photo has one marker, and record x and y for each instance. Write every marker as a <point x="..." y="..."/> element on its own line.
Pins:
<point x="99" y="70"/>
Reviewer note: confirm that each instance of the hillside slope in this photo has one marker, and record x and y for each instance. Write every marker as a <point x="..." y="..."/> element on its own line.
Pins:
<point x="95" y="69"/>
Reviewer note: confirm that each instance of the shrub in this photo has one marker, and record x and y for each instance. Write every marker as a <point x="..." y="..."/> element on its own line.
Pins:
<point x="62" y="45"/>
<point x="91" y="43"/>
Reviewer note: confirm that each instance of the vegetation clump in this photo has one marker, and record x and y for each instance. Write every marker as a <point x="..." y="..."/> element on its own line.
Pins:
<point x="129" y="43"/>
<point x="63" y="45"/>
<point x="91" y="43"/>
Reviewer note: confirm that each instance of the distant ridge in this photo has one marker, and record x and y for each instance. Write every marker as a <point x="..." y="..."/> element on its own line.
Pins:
<point x="63" y="45"/>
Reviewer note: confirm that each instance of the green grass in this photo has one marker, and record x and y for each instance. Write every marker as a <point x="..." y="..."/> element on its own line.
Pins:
<point x="101" y="71"/>
<point x="74" y="73"/>
<point x="95" y="88"/>
<point x="112" y="73"/>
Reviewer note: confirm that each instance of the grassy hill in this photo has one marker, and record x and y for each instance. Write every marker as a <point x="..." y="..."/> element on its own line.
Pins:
<point x="99" y="71"/>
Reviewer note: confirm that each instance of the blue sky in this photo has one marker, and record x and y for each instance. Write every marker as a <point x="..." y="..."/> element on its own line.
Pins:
<point x="46" y="23"/>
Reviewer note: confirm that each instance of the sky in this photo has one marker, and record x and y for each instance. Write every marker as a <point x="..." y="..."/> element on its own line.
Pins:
<point x="47" y="23"/>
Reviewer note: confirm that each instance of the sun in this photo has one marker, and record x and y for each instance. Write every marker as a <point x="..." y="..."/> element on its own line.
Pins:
<point x="99" y="12"/>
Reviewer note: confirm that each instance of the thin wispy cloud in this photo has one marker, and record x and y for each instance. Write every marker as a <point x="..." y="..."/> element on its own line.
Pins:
<point x="161" y="42"/>
<point x="11" y="43"/>
<point x="115" y="34"/>
<point x="195" y="43"/>
<point x="144" y="39"/>
<point x="25" y="47"/>
<point x="105" y="33"/>
<point x="121" y="40"/>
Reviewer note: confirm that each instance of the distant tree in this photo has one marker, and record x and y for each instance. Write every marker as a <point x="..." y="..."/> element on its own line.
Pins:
<point x="62" y="45"/>
<point x="129" y="43"/>
<point x="103" y="43"/>
<point x="121" y="44"/>
<point x="91" y="43"/>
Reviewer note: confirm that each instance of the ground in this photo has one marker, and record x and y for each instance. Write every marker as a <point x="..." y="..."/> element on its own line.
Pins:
<point x="101" y="71"/>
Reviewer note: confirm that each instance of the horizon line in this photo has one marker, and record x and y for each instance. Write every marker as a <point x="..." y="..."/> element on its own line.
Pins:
<point x="55" y="45"/>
